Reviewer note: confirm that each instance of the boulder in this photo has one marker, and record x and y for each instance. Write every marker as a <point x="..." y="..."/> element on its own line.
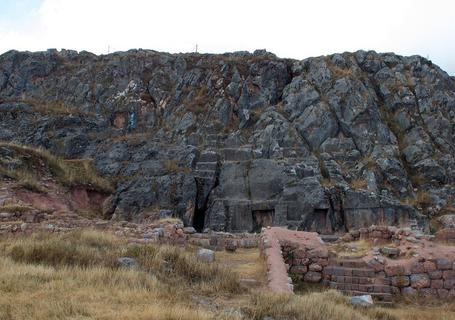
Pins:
<point x="127" y="262"/>
<point x="205" y="255"/>
<point x="362" y="301"/>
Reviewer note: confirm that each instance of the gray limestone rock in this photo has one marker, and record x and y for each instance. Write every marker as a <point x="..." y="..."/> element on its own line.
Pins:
<point x="238" y="141"/>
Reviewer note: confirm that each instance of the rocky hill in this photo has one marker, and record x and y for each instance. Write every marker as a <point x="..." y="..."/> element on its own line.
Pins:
<point x="236" y="141"/>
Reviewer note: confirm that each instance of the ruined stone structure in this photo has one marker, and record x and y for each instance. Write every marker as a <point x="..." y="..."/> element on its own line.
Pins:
<point x="409" y="267"/>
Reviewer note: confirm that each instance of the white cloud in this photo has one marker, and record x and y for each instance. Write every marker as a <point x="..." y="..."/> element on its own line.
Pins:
<point x="296" y="29"/>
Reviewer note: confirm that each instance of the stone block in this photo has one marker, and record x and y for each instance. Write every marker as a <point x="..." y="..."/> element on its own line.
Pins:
<point x="427" y="292"/>
<point x="437" y="284"/>
<point x="400" y="281"/>
<point x="298" y="269"/>
<point x="394" y="270"/>
<point x="420" y="280"/>
<point x="417" y="267"/>
<point x="408" y="291"/>
<point x="448" y="275"/>
<point x="206" y="255"/>
<point x="312" y="276"/>
<point x="437" y="274"/>
<point x="443" y="293"/>
<point x="443" y="264"/>
<point x="299" y="253"/>
<point x="429" y="266"/>
<point x="315" y="267"/>
<point x="362" y="301"/>
<point x="449" y="284"/>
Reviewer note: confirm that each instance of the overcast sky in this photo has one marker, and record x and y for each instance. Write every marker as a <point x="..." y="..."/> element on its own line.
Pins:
<point x="291" y="29"/>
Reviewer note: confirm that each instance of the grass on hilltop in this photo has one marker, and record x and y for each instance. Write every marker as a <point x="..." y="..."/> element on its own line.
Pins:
<point x="28" y="165"/>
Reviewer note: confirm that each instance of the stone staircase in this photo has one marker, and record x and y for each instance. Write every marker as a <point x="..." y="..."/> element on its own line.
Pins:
<point x="352" y="276"/>
<point x="212" y="141"/>
<point x="207" y="166"/>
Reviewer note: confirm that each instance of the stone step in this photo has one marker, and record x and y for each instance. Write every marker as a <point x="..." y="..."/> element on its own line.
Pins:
<point x="209" y="156"/>
<point x="353" y="280"/>
<point x="329" y="237"/>
<point x="351" y="272"/>
<point x="213" y="136"/>
<point x="206" y="165"/>
<point x="205" y="174"/>
<point x="364" y="288"/>
<point x="349" y="263"/>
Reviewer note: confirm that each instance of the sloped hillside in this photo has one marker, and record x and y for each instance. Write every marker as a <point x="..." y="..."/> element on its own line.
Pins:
<point x="36" y="185"/>
<point x="236" y="141"/>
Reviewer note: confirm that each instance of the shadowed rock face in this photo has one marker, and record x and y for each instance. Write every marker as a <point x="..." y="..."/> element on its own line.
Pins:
<point x="236" y="141"/>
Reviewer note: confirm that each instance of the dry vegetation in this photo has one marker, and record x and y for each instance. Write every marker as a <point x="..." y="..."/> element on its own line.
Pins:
<point x="359" y="184"/>
<point x="198" y="104"/>
<point x="28" y="165"/>
<point x="76" y="276"/>
<point x="352" y="249"/>
<point x="422" y="199"/>
<point x="56" y="107"/>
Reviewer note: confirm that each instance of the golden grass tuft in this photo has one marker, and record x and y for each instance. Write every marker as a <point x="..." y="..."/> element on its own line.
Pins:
<point x="183" y="269"/>
<point x="78" y="248"/>
<point x="15" y="208"/>
<point x="327" y="305"/>
<point x="422" y="199"/>
<point x="56" y="107"/>
<point x="352" y="249"/>
<point x="359" y="184"/>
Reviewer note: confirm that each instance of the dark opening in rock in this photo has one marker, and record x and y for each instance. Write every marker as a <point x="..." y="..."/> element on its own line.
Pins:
<point x="262" y="218"/>
<point x="317" y="221"/>
<point x="198" y="219"/>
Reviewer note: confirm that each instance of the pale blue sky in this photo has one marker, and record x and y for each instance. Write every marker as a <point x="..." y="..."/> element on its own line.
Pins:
<point x="13" y="10"/>
<point x="289" y="28"/>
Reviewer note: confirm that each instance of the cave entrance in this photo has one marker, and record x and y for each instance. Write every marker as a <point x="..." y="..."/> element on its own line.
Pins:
<point x="320" y="220"/>
<point x="199" y="219"/>
<point x="262" y="218"/>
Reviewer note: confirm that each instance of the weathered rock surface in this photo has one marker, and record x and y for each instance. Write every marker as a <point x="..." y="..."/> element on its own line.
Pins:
<point x="206" y="255"/>
<point x="239" y="141"/>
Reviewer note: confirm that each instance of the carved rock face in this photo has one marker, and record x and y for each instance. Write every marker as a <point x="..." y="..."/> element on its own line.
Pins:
<point x="325" y="144"/>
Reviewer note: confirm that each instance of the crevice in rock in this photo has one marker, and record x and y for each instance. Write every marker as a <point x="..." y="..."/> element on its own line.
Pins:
<point x="336" y="213"/>
<point x="199" y="216"/>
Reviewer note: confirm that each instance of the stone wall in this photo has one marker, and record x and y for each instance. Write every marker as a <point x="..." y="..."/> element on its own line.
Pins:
<point x="429" y="271"/>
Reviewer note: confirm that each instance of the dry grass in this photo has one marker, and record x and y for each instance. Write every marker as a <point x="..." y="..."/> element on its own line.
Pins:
<point x="326" y="305"/>
<point x="48" y="107"/>
<point x="359" y="184"/>
<point x="15" y="208"/>
<point x="247" y="263"/>
<point x="41" y="292"/>
<point x="37" y="162"/>
<point x="326" y="182"/>
<point x="352" y="249"/>
<point x="423" y="308"/>
<point x="24" y="178"/>
<point x="417" y="180"/>
<point x="198" y="104"/>
<point x="422" y="199"/>
<point x="369" y="162"/>
<point x="75" y="276"/>
<point x="79" y="248"/>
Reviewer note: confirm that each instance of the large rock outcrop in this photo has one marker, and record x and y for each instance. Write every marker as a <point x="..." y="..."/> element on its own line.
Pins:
<point x="237" y="141"/>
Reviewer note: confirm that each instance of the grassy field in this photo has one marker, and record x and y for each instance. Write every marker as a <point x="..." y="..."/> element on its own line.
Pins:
<point x="76" y="276"/>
